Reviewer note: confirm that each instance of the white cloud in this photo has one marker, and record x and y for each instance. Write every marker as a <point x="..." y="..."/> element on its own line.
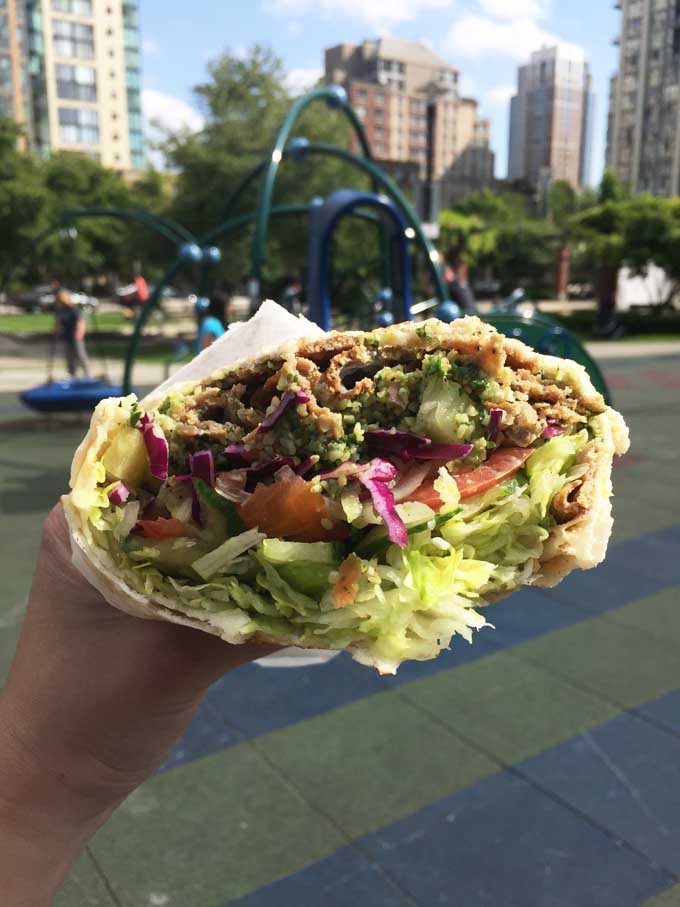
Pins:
<point x="164" y="112"/>
<point x="169" y="112"/>
<point x="476" y="36"/>
<point x="302" y="79"/>
<point x="467" y="86"/>
<point x="515" y="9"/>
<point x="499" y="95"/>
<point x="150" y="47"/>
<point x="378" y="13"/>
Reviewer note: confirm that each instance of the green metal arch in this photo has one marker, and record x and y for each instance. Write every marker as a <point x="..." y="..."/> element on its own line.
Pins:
<point x="380" y="181"/>
<point x="264" y="205"/>
<point x="166" y="226"/>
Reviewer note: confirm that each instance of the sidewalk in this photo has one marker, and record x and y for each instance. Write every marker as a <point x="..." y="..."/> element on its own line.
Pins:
<point x="19" y="374"/>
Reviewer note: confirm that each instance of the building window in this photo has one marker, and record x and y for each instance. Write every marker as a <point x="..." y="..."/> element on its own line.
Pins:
<point x="76" y="83"/>
<point x="78" y="126"/>
<point x="73" y="39"/>
<point x="135" y="121"/>
<point x="73" y="7"/>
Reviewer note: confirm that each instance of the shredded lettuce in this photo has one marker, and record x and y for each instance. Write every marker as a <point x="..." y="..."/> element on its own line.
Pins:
<point x="217" y="560"/>
<point x="412" y="597"/>
<point x="547" y="466"/>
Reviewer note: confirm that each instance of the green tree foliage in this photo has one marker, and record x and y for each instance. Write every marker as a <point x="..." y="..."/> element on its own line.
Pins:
<point x="34" y="194"/>
<point x="76" y="181"/>
<point x="611" y="189"/>
<point x="23" y="200"/>
<point x="466" y="238"/>
<point x="496" y="232"/>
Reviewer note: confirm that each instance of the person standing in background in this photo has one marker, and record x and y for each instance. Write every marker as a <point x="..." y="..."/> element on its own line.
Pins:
<point x="213" y="321"/>
<point x="141" y="289"/>
<point x="71" y="324"/>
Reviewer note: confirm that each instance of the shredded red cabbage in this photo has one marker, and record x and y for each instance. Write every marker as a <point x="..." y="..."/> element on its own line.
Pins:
<point x="156" y="447"/>
<point x="495" y="420"/>
<point x="305" y="467"/>
<point x="552" y="430"/>
<point x="408" y="446"/>
<point x="203" y="467"/>
<point x="439" y="452"/>
<point x="395" y="441"/>
<point x="262" y="470"/>
<point x="240" y="454"/>
<point x="375" y="478"/>
<point x="119" y="494"/>
<point x="409" y="479"/>
<point x="289" y="399"/>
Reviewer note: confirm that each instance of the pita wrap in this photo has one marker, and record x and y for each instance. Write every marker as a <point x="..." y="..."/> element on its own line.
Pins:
<point x="358" y="491"/>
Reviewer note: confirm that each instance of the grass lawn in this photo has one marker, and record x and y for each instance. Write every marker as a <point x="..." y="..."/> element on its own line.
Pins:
<point x="26" y="322"/>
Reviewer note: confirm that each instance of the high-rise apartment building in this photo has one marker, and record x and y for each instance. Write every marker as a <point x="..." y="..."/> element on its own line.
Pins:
<point x="551" y="118"/>
<point x="408" y="100"/>
<point x="643" y="138"/>
<point x="74" y="76"/>
<point x="14" y="87"/>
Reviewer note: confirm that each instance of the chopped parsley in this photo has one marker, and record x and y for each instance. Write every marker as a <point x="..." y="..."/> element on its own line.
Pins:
<point x="136" y="414"/>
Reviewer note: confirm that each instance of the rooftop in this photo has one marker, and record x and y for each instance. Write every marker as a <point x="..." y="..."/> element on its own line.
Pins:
<point x="407" y="52"/>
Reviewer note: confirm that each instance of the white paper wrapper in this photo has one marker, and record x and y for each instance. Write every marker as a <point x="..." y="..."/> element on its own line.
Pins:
<point x="268" y="328"/>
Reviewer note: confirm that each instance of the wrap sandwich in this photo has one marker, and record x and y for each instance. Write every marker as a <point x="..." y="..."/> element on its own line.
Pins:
<point x="363" y="491"/>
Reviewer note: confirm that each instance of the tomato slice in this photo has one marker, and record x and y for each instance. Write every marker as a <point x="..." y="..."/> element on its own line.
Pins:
<point x="289" y="509"/>
<point x="501" y="465"/>
<point x="163" y="528"/>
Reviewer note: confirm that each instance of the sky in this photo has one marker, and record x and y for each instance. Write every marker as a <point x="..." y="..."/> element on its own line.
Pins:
<point x="486" y="39"/>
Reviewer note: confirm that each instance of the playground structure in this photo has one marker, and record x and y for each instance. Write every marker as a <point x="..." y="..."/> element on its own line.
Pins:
<point x="397" y="223"/>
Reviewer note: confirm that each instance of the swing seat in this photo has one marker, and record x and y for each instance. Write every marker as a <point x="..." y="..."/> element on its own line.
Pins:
<point x="74" y="395"/>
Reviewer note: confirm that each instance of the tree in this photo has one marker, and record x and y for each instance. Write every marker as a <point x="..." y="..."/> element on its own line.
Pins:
<point x="23" y="201"/>
<point x="634" y="232"/>
<point x="496" y="231"/>
<point x="611" y="188"/>
<point x="466" y="239"/>
<point x="75" y="181"/>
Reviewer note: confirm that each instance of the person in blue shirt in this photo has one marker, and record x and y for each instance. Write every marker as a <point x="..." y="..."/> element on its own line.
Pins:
<point x="213" y="320"/>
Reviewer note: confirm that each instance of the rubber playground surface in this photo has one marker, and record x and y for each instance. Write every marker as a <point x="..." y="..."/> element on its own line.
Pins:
<point x="539" y="767"/>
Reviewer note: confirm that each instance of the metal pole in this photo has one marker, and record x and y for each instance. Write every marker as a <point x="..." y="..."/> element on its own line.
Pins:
<point x="332" y="94"/>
